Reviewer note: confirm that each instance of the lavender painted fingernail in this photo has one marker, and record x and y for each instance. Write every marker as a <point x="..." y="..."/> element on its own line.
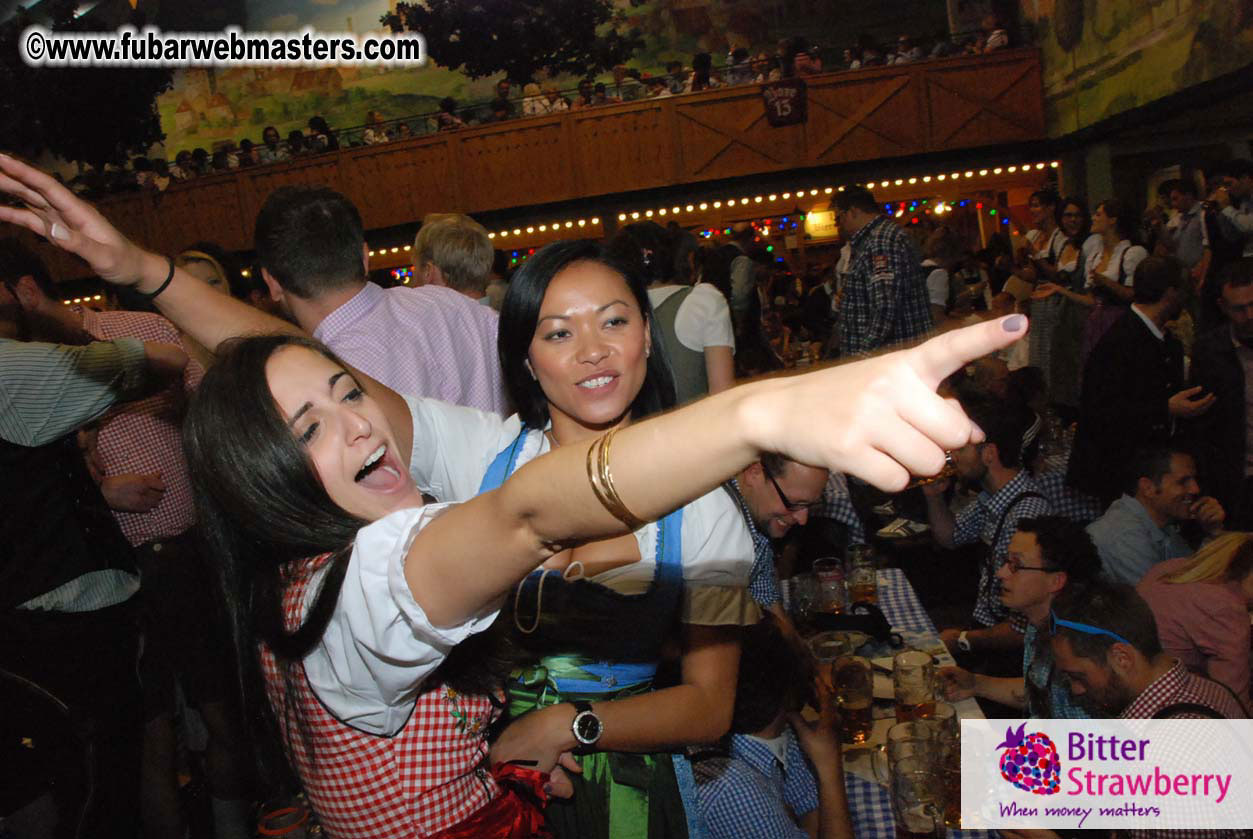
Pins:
<point x="1014" y="323"/>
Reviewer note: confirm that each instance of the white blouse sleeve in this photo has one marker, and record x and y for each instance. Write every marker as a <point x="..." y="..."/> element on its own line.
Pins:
<point x="1131" y="260"/>
<point x="453" y="446"/>
<point x="717" y="549"/>
<point x="937" y="287"/>
<point x="379" y="645"/>
<point x="704" y="320"/>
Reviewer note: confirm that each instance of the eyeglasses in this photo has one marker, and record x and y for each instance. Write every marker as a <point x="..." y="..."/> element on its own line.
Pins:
<point x="791" y="506"/>
<point x="1014" y="565"/>
<point x="1086" y="629"/>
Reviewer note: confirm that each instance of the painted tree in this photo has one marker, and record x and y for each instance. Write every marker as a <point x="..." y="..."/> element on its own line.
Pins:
<point x="522" y="38"/>
<point x="96" y="115"/>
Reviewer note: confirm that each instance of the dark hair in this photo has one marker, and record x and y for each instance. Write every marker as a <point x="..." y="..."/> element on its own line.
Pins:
<point x="685" y="245"/>
<point x="1238" y="273"/>
<point x="268" y="129"/>
<point x="448" y="104"/>
<point x="1084" y="226"/>
<point x="1004" y="422"/>
<point x="1125" y="223"/>
<point x="1114" y="607"/>
<point x="1064" y="545"/>
<point x="318" y="123"/>
<point x="1156" y="275"/>
<point x="739" y="54"/>
<point x="310" y="240"/>
<point x="771" y="675"/>
<point x="714" y="265"/>
<point x="1046" y="197"/>
<point x="245" y="144"/>
<point x="648" y="246"/>
<point x="520" y="313"/>
<point x="17" y="261"/>
<point x="262" y="506"/>
<point x="1154" y="463"/>
<point x="1186" y="186"/>
<point x="857" y="196"/>
<point x="296" y="140"/>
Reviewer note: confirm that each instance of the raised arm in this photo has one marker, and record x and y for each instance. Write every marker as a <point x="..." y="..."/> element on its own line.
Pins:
<point x="879" y="419"/>
<point x="73" y="225"/>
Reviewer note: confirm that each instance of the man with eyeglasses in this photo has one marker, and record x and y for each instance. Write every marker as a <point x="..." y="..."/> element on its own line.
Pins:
<point x="1047" y="556"/>
<point x="775" y="495"/>
<point x="1105" y="643"/>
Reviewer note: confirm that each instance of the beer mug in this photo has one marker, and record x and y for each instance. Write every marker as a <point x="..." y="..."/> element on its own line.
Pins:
<point x="905" y="740"/>
<point x="854" y="693"/>
<point x="913" y="683"/>
<point x="830" y="573"/>
<point x="916" y="807"/>
<point x="827" y="649"/>
<point x="863" y="580"/>
<point x="805" y="599"/>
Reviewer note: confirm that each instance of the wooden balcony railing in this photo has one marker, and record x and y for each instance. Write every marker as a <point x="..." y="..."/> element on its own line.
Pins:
<point x="861" y="115"/>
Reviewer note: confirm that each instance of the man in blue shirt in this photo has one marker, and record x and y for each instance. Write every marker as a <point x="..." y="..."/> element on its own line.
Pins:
<point x="1047" y="556"/>
<point x="763" y="783"/>
<point x="884" y="299"/>
<point x="1138" y="531"/>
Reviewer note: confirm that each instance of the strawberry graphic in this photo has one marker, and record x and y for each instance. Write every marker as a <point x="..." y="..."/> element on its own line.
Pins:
<point x="1029" y="762"/>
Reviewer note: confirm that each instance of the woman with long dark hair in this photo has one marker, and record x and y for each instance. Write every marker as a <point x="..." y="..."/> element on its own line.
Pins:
<point x="356" y="594"/>
<point x="581" y="353"/>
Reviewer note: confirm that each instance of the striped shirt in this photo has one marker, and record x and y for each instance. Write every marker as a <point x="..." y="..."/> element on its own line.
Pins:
<point x="48" y="391"/>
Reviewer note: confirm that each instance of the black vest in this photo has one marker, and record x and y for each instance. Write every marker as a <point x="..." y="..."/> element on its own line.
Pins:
<point x="54" y="524"/>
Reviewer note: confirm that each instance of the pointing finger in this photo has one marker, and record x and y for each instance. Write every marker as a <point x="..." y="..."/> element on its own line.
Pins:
<point x="942" y="356"/>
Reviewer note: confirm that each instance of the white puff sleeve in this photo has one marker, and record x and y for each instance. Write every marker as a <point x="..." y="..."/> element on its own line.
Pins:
<point x="379" y="645"/>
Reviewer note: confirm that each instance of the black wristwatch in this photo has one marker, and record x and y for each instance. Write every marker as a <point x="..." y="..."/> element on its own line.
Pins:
<point x="586" y="727"/>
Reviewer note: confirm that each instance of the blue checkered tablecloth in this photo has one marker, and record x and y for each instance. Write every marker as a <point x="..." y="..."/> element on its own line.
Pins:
<point x="869" y="803"/>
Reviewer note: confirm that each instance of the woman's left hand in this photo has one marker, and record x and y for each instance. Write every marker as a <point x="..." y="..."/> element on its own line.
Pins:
<point x="543" y="737"/>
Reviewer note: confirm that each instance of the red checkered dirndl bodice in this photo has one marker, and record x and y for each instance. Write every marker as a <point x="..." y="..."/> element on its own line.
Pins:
<point x="428" y="776"/>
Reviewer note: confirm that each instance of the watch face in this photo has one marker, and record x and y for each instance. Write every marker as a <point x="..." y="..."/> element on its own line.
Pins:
<point x="587" y="727"/>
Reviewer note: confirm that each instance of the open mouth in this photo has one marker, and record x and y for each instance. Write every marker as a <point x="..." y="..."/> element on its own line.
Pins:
<point x="379" y="471"/>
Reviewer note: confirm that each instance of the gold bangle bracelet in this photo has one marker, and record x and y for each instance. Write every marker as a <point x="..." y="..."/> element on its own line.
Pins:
<point x="601" y="479"/>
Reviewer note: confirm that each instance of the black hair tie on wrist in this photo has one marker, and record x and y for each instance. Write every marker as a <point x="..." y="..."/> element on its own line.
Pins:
<point x="152" y="295"/>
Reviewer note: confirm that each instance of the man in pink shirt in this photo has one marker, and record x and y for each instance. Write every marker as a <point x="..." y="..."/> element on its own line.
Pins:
<point x="429" y="341"/>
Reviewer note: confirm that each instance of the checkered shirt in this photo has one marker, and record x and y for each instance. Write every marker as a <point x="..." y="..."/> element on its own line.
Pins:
<point x="979" y="522"/>
<point x="430" y="775"/>
<point x="885" y="296"/>
<point x="763" y="579"/>
<point x="145" y="437"/>
<point x="751" y="795"/>
<point x="1048" y="694"/>
<point x="428" y="341"/>
<point x="838" y="506"/>
<point x="1068" y="502"/>
<point x="1178" y="684"/>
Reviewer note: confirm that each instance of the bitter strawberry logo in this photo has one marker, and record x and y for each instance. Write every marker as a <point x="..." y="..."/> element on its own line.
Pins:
<point x="1030" y="762"/>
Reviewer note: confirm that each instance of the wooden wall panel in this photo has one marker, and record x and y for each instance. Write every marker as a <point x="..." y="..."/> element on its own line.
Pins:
<point x="725" y="134"/>
<point x="621" y="149"/>
<point x="520" y="163"/>
<point x="864" y="117"/>
<point x="398" y="183"/>
<point x="213" y="210"/>
<point x="1000" y="100"/>
<point x="931" y="106"/>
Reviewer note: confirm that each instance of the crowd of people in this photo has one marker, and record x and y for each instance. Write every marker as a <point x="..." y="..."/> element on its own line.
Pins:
<point x="793" y="57"/>
<point x="488" y="555"/>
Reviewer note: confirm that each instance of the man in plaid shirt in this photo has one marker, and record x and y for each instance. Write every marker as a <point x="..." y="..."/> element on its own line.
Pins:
<point x="884" y="300"/>
<point x="774" y="495"/>
<point x="1008" y="493"/>
<point x="1105" y="644"/>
